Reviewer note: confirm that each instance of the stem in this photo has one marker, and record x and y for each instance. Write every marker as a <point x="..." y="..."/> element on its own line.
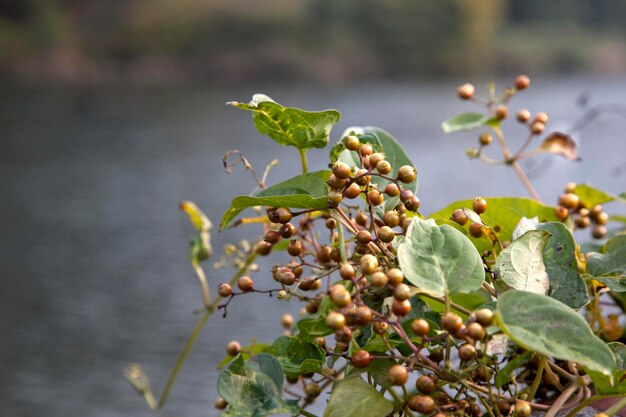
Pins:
<point x="533" y="388"/>
<point x="616" y="407"/>
<point x="306" y="413"/>
<point x="442" y="300"/>
<point x="522" y="176"/>
<point x="558" y="404"/>
<point x="342" y="242"/>
<point x="206" y="293"/>
<point x="303" y="160"/>
<point x="584" y="404"/>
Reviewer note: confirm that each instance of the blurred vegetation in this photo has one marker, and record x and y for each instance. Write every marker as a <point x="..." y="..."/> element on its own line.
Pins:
<point x="314" y="40"/>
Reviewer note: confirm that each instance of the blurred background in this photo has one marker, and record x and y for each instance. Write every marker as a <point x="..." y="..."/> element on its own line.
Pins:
<point x="112" y="112"/>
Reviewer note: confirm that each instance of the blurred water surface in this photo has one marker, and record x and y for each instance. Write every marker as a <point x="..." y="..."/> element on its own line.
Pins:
<point x="93" y="250"/>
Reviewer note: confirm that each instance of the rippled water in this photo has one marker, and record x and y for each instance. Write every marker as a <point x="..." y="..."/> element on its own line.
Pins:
<point x="93" y="250"/>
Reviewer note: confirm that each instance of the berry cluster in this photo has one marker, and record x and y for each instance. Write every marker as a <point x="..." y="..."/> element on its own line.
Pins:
<point x="571" y="206"/>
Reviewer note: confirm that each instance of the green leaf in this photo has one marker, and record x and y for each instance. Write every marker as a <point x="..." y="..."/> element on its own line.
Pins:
<point x="297" y="356"/>
<point x="502" y="215"/>
<point x="440" y="259"/>
<point x="353" y="397"/>
<point x="381" y="141"/>
<point x="506" y="373"/>
<point x="544" y="325"/>
<point x="254" y="388"/>
<point x="246" y="353"/>
<point x="611" y="262"/>
<point x="307" y="191"/>
<point x="602" y="383"/>
<point x="520" y="265"/>
<point x="559" y="258"/>
<point x="290" y="126"/>
<point x="591" y="196"/>
<point x="464" y="121"/>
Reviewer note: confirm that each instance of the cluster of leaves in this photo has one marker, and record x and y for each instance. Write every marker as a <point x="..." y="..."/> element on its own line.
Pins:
<point x="477" y="308"/>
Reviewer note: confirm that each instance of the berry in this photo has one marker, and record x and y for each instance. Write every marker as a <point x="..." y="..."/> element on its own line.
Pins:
<point x="220" y="403"/>
<point x="375" y="158"/>
<point x="484" y="316"/>
<point x="364" y="315"/>
<point x="413" y="203"/>
<point x="423" y="404"/>
<point x="458" y="216"/>
<point x="523" y="116"/>
<point x="602" y="218"/>
<point x="380" y="327"/>
<point x="366" y="149"/>
<point x="312" y="390"/>
<point x="224" y="289"/>
<point x="272" y="236"/>
<point x="392" y="190"/>
<point x="502" y="112"/>
<point x="340" y="295"/>
<point x="361" y="219"/>
<point x="595" y="210"/>
<point x="288" y="278"/>
<point x="307" y="284"/>
<point x="384" y="167"/>
<point x="335" y="320"/>
<point x="484" y="374"/>
<point x="476" y="331"/>
<point x="279" y="215"/>
<point x="522" y="409"/>
<point x="583" y="222"/>
<point x="391" y="218"/>
<point x="336" y="183"/>
<point x="343" y="335"/>
<point x="407" y="174"/>
<point x="452" y="322"/>
<point x="374" y="197"/>
<point x="503" y="406"/>
<point x="541" y="117"/>
<point x="245" y="283"/>
<point x="361" y="177"/>
<point x="341" y="170"/>
<point x="599" y="231"/>
<point x="395" y="277"/>
<point x="425" y="384"/>
<point x="436" y="355"/>
<point x="479" y="205"/>
<point x="401" y="308"/>
<point x="398" y="374"/>
<point x="569" y="200"/>
<point x="351" y="142"/>
<point x="352" y="192"/>
<point x="402" y="292"/>
<point x="522" y="82"/>
<point x="561" y="213"/>
<point x="286" y="321"/>
<point x="570" y="187"/>
<point x="378" y="279"/>
<point x="361" y="358"/>
<point x="485" y="139"/>
<point x="347" y="271"/>
<point x="368" y="264"/>
<point x="233" y="348"/>
<point x="537" y="128"/>
<point x="386" y="234"/>
<point x="323" y="254"/>
<point x="263" y="248"/>
<point x="406" y="195"/>
<point x="467" y="352"/>
<point x="295" y="248"/>
<point x="287" y="230"/>
<point x="334" y="197"/>
<point x="364" y="236"/>
<point x="476" y="230"/>
<point x="465" y="91"/>
<point x="420" y="327"/>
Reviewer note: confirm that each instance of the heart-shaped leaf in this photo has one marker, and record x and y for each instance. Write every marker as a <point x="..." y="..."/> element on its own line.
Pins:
<point x="254" y="388"/>
<point x="297" y="356"/>
<point x="464" y="121"/>
<point x="520" y="265"/>
<point x="353" y="397"/>
<point x="611" y="262"/>
<point x="616" y="385"/>
<point x="440" y="259"/>
<point x="290" y="126"/>
<point x="547" y="326"/>
<point x="560" y="144"/>
<point x="307" y="191"/>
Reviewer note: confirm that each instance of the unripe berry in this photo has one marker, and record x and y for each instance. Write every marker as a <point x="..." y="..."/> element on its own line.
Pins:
<point x="335" y="320"/>
<point x="570" y="187"/>
<point x="288" y="278"/>
<point x="406" y="195"/>
<point x="582" y="222"/>
<point x="224" y="290"/>
<point x="485" y="139"/>
<point x="263" y="248"/>
<point x="391" y="218"/>
<point x="245" y="283"/>
<point x="523" y="116"/>
<point x="595" y="210"/>
<point x="561" y="213"/>
<point x="312" y="390"/>
<point x="233" y="348"/>
<point x="503" y="406"/>
<point x="366" y="149"/>
<point x="602" y="218"/>
<point x="347" y="271"/>
<point x="272" y="236"/>
<point x="351" y="142"/>
<point x="423" y="404"/>
<point x="420" y="327"/>
<point x="522" y="409"/>
<point x="364" y="315"/>
<point x="541" y="117"/>
<point x="392" y="190"/>
<point x="384" y="167"/>
<point x="484" y="316"/>
<point x="386" y="234"/>
<point x="336" y="183"/>
<point x="307" y="284"/>
<point x="436" y="355"/>
<point x="374" y="197"/>
<point x="401" y="308"/>
<point x="378" y="279"/>
<point x="352" y="192"/>
<point x="502" y="112"/>
<point x="395" y="277"/>
<point x="402" y="292"/>
<point x="476" y="230"/>
<point x="340" y="295"/>
<point x="465" y="91"/>
<point x="330" y="223"/>
<point x="279" y="215"/>
<point x="323" y="254"/>
<point x="599" y="231"/>
<point x="459" y="217"/>
<point x="364" y="236"/>
<point x="286" y="320"/>
<point x="467" y="352"/>
<point x="295" y="248"/>
<point x="537" y="128"/>
<point x="361" y="218"/>
<point x="368" y="264"/>
<point x="380" y="327"/>
<point x="476" y="331"/>
<point x="479" y="205"/>
<point x="343" y="335"/>
<point x="220" y="403"/>
<point x="375" y="158"/>
<point x="412" y="204"/>
<point x="425" y="384"/>
<point x="398" y="375"/>
<point x="569" y="200"/>
<point x="287" y="230"/>
<point x="361" y="358"/>
<point x="361" y="178"/>
<point x="341" y="170"/>
<point x="451" y="322"/>
<point x="334" y="197"/>
<point x="407" y="174"/>
<point x="522" y="82"/>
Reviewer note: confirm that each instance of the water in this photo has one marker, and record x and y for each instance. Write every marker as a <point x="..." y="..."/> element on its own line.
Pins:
<point x="93" y="250"/>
